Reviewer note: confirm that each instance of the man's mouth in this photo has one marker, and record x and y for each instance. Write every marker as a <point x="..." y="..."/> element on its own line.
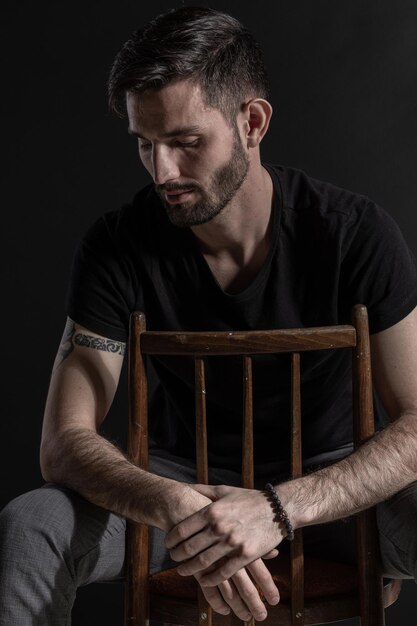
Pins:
<point x="178" y="196"/>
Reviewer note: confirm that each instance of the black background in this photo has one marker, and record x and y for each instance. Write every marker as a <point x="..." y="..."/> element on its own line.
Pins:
<point x="344" y="90"/>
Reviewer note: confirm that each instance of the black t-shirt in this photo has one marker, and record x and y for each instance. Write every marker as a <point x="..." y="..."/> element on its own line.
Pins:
<point x="331" y="249"/>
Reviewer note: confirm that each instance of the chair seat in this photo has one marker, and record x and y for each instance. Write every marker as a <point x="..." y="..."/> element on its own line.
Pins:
<point x="323" y="579"/>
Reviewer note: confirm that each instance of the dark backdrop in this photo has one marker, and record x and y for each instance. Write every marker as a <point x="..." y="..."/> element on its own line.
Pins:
<point x="344" y="87"/>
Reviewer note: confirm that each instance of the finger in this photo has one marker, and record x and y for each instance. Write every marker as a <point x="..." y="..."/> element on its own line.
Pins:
<point x="230" y="596"/>
<point x="223" y="570"/>
<point x="202" y="561"/>
<point x="233" y="598"/>
<point x="202" y="552"/>
<point x="206" y="490"/>
<point x="263" y="577"/>
<point x="192" y="547"/>
<point x="215" y="600"/>
<point x="250" y="595"/>
<point x="186" y="529"/>
<point x="271" y="554"/>
<point x="226" y="569"/>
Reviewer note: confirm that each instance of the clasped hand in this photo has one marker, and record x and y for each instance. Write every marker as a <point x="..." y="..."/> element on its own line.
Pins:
<point x="218" y="543"/>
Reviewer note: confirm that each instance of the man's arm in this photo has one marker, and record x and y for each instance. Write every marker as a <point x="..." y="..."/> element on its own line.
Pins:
<point x="83" y="383"/>
<point x="381" y="467"/>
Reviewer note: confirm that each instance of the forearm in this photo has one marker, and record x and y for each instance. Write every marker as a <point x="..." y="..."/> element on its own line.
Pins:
<point x="84" y="461"/>
<point x="382" y="466"/>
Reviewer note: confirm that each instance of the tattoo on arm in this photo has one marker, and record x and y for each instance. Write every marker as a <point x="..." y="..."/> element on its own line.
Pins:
<point x="87" y="341"/>
<point x="99" y="343"/>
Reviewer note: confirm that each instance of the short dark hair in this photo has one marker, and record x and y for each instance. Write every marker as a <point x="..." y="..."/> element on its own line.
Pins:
<point x="208" y="47"/>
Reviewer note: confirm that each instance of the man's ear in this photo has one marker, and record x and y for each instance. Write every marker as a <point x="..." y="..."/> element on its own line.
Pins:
<point x="257" y="115"/>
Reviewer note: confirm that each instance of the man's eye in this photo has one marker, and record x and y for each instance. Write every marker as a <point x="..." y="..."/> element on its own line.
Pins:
<point x="145" y="146"/>
<point x="187" y="144"/>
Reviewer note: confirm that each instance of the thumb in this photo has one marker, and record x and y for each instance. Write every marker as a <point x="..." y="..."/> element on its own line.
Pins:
<point x="271" y="554"/>
<point x="206" y="490"/>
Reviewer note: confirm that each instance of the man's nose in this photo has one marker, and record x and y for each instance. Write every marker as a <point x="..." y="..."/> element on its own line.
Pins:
<point x="164" y="165"/>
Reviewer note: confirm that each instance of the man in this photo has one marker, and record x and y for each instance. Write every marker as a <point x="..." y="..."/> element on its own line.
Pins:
<point x="219" y="241"/>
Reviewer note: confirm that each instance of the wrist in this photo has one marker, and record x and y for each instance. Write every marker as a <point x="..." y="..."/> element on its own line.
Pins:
<point x="280" y="514"/>
<point x="179" y="501"/>
<point x="155" y="499"/>
<point x="171" y="497"/>
<point x="290" y="494"/>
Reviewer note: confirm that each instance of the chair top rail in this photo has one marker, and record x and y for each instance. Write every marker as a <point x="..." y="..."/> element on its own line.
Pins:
<point x="247" y="342"/>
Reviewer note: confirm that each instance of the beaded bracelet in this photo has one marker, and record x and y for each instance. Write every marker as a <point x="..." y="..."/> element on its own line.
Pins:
<point x="280" y="511"/>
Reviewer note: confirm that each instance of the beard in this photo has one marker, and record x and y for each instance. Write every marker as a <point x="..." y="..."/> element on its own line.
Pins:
<point x="224" y="184"/>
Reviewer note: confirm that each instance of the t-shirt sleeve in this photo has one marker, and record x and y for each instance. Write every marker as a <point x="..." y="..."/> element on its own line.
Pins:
<point x="102" y="291"/>
<point x="378" y="268"/>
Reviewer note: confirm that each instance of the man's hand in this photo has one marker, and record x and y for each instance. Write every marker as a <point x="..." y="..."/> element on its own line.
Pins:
<point x="231" y="533"/>
<point x="239" y="593"/>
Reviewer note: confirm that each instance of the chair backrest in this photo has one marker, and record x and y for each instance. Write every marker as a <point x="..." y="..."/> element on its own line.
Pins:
<point x="203" y="345"/>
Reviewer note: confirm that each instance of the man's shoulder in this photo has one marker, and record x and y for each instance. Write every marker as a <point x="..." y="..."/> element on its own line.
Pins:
<point x="131" y="219"/>
<point x="144" y="204"/>
<point x="139" y="228"/>
<point x="301" y="192"/>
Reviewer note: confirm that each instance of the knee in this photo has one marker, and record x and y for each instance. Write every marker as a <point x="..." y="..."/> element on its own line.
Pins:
<point x="30" y="514"/>
<point x="17" y="514"/>
<point x="35" y="563"/>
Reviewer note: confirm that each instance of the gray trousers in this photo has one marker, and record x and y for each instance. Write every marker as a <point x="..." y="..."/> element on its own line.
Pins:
<point x="53" y="541"/>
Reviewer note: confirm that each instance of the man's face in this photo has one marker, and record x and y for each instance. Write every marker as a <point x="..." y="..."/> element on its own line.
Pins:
<point x="197" y="161"/>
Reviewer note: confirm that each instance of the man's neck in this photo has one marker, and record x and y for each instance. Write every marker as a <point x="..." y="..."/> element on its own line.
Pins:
<point x="243" y="223"/>
<point x="236" y="242"/>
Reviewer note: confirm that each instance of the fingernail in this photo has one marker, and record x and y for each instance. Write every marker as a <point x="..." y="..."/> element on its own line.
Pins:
<point x="274" y="600"/>
<point x="262" y="616"/>
<point x="247" y="617"/>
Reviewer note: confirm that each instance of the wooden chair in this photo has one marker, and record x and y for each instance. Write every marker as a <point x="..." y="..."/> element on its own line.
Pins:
<point x="312" y="591"/>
